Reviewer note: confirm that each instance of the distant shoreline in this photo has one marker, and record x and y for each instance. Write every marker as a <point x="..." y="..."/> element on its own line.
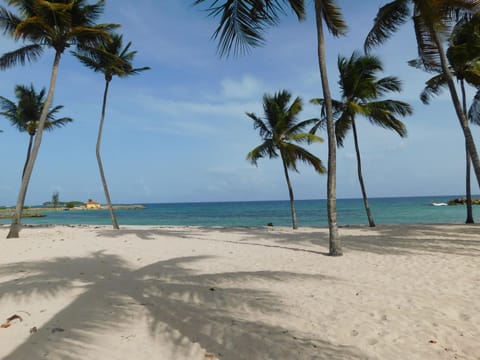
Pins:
<point x="36" y="212"/>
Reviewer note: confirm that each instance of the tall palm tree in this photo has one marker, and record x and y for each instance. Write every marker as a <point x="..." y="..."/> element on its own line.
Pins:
<point x="25" y="113"/>
<point x="463" y="55"/>
<point x="242" y="25"/>
<point x="432" y="20"/>
<point x="112" y="59"/>
<point x="280" y="130"/>
<point x="361" y="90"/>
<point x="56" y="24"/>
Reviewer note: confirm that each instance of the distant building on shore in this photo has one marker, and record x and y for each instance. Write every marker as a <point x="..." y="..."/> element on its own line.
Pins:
<point x="90" y="204"/>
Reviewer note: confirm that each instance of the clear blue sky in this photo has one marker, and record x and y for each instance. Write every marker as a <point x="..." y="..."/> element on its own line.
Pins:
<point x="179" y="132"/>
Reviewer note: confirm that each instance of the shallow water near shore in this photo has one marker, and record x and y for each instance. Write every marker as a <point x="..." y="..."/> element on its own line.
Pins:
<point x="398" y="210"/>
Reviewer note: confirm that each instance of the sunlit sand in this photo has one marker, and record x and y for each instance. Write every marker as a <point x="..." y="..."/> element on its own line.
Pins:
<point x="89" y="292"/>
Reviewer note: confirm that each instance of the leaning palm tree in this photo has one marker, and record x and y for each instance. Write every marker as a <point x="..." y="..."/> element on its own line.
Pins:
<point x="361" y="92"/>
<point x="55" y="24"/>
<point x="280" y="130"/>
<point x="25" y="113"/>
<point x="464" y="58"/>
<point x="112" y="59"/>
<point x="242" y="25"/>
<point x="432" y="20"/>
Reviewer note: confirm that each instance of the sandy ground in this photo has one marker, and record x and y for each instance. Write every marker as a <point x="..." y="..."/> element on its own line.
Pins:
<point x="89" y="292"/>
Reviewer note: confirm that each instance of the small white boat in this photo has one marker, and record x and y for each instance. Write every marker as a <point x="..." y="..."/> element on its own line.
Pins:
<point x="439" y="204"/>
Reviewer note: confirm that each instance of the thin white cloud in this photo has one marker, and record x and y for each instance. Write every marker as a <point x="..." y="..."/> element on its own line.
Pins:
<point x="247" y="87"/>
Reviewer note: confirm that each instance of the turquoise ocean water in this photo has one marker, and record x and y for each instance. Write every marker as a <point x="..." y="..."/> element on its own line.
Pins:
<point x="399" y="210"/>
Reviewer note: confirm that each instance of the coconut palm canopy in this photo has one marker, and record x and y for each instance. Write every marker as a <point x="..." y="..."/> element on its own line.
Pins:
<point x="25" y="113"/>
<point x="281" y="130"/>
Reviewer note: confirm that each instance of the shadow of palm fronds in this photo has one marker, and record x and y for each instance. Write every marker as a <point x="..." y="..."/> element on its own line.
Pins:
<point x="457" y="239"/>
<point x="187" y="312"/>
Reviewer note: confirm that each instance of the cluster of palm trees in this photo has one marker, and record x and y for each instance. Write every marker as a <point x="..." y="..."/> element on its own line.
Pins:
<point x="243" y="24"/>
<point x="59" y="25"/>
<point x="362" y="94"/>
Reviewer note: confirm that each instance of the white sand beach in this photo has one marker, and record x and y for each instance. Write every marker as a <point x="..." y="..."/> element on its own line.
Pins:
<point x="89" y="292"/>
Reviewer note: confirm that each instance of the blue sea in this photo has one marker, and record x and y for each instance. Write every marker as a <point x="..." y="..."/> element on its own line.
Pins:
<point x="395" y="210"/>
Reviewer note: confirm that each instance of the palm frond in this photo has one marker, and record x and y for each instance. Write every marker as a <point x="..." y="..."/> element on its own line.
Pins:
<point x="389" y="84"/>
<point x="433" y="87"/>
<point x="91" y="12"/>
<point x="301" y="126"/>
<point x="387" y="21"/>
<point x="265" y="131"/>
<point x="8" y="21"/>
<point x="9" y="111"/>
<point x="109" y="57"/>
<point x="244" y="22"/>
<point x="472" y="74"/>
<point x="428" y="53"/>
<point x="57" y="123"/>
<point x="333" y="17"/>
<point x="474" y="111"/>
<point x="418" y="64"/>
<point x="342" y="127"/>
<point x="292" y="153"/>
<point x="28" y="53"/>
<point x="382" y="113"/>
<point x="308" y="138"/>
<point x="266" y="149"/>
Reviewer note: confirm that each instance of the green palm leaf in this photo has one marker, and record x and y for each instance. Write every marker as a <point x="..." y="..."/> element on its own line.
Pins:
<point x="389" y="18"/>
<point x="244" y="22"/>
<point x="28" y="53"/>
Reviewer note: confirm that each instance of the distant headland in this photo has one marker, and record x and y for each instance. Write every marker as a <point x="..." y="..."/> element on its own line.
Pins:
<point x="39" y="211"/>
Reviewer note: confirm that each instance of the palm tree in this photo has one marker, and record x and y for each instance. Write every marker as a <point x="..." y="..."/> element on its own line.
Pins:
<point x="25" y="113"/>
<point x="280" y="130"/>
<point x="464" y="59"/>
<point x="111" y="59"/>
<point x="432" y="21"/>
<point x="56" y="24"/>
<point x="242" y="25"/>
<point x="360" y="90"/>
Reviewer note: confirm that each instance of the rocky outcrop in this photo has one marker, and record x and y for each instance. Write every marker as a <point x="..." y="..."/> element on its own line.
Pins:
<point x="463" y="201"/>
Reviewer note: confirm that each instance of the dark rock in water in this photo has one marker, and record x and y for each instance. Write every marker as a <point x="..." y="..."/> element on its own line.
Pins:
<point x="270" y="224"/>
<point x="463" y="201"/>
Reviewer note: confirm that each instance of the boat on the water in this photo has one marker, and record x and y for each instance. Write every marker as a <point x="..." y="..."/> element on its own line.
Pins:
<point x="439" y="204"/>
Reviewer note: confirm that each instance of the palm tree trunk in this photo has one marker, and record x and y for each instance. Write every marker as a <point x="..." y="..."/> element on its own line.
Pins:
<point x="29" y="151"/>
<point x="99" y="159"/>
<point x="335" y="245"/>
<point x="290" y="193"/>
<point x="468" y="187"/>
<point x="17" y="217"/>
<point x="469" y="142"/>
<point x="371" y="223"/>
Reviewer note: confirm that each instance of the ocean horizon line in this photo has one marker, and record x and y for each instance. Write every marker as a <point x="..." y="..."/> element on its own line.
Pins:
<point x="286" y="199"/>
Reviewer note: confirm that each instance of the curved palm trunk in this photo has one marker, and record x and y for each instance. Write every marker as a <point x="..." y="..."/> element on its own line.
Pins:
<point x="99" y="159"/>
<point x="17" y="217"/>
<point x="29" y="151"/>
<point x="335" y="246"/>
<point x="290" y="193"/>
<point x="371" y="223"/>
<point x="468" y="187"/>
<point x="470" y="144"/>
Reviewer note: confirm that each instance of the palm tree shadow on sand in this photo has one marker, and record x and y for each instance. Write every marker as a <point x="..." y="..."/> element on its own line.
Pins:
<point x="189" y="313"/>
